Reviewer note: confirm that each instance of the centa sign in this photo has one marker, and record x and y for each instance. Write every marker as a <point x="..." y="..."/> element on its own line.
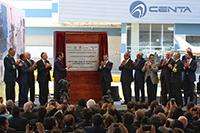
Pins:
<point x="138" y="9"/>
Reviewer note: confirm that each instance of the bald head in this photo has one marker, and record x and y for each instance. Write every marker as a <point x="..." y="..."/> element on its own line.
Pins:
<point x="10" y="103"/>
<point x="28" y="55"/>
<point x="184" y="120"/>
<point x="168" y="54"/>
<point x="139" y="115"/>
<point x="69" y="120"/>
<point x="126" y="55"/>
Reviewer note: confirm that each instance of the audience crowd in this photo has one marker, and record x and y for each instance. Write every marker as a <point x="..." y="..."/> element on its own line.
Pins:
<point x="91" y="117"/>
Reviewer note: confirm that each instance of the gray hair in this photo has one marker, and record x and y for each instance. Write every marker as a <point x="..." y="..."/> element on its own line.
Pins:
<point x="140" y="53"/>
<point x="10" y="50"/>
<point x="178" y="55"/>
<point x="28" y="106"/>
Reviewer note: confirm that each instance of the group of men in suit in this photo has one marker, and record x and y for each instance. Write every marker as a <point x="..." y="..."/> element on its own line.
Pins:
<point x="146" y="71"/>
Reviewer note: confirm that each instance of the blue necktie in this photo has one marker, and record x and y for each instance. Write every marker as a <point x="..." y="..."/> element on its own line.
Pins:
<point x="138" y="62"/>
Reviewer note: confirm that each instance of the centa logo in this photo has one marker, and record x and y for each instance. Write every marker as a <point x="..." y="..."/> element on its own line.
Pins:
<point x="138" y="9"/>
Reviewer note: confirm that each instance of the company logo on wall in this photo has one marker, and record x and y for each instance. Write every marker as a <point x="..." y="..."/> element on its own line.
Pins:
<point x="138" y="9"/>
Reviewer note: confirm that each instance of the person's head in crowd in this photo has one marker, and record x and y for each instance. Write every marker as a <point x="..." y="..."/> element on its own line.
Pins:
<point x="168" y="54"/>
<point x="101" y="103"/>
<point x="90" y="103"/>
<point x="69" y="120"/>
<point x="22" y="57"/>
<point x="156" y="121"/>
<point x="154" y="104"/>
<point x="82" y="102"/>
<point x="163" y="118"/>
<point x="139" y="55"/>
<point x="105" y="57"/>
<point x="178" y="130"/>
<point x="188" y="55"/>
<point x="60" y="55"/>
<point x="41" y="112"/>
<point x="108" y="121"/>
<point x="151" y="58"/>
<point x="56" y="130"/>
<point x="158" y="109"/>
<point x="4" y="124"/>
<point x="177" y="124"/>
<point x="2" y="109"/>
<point x="127" y="55"/>
<point x="177" y="113"/>
<point x="9" y="105"/>
<point x="49" y="108"/>
<point x="189" y="116"/>
<point x="177" y="56"/>
<point x="1" y="100"/>
<point x="145" y="105"/>
<point x="184" y="120"/>
<point x="44" y="56"/>
<point x="87" y="114"/>
<point x="130" y="105"/>
<point x="15" y="111"/>
<point x="189" y="106"/>
<point x="139" y="115"/>
<point x="96" y="108"/>
<point x="128" y="118"/>
<point x="72" y="108"/>
<point x="11" y="52"/>
<point x="59" y="117"/>
<point x="28" y="106"/>
<point x="28" y="55"/>
<point x="138" y="105"/>
<point x="49" y="123"/>
<point x="97" y="119"/>
<point x="188" y="49"/>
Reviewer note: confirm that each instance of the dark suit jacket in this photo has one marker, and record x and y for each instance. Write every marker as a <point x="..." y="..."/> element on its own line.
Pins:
<point x="9" y="72"/>
<point x="31" y="77"/>
<point x="59" y="70"/>
<point x="42" y="70"/>
<point x="95" y="129"/>
<point x="130" y="128"/>
<point x="187" y="130"/>
<point x="85" y="123"/>
<point x="105" y="72"/>
<point x="148" y="113"/>
<point x="127" y="71"/>
<point x="177" y="69"/>
<point x="18" y="123"/>
<point x="23" y="72"/>
<point x="29" y="116"/>
<point x="139" y="75"/>
<point x="67" y="129"/>
<point x="166" y="71"/>
<point x="191" y="70"/>
<point x="137" y="124"/>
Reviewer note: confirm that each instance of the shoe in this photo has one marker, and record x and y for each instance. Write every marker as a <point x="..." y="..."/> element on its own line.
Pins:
<point x="123" y="103"/>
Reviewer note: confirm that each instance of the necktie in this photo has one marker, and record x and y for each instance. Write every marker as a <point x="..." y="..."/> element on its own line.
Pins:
<point x="138" y="62"/>
<point x="30" y="62"/>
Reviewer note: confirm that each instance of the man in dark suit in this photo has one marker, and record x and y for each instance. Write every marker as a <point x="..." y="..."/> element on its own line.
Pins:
<point x="28" y="107"/>
<point x="31" y="77"/>
<point x="16" y="122"/>
<point x="165" y="76"/>
<point x="189" y="77"/>
<point x="126" y="69"/>
<point x="10" y="74"/>
<point x="139" y="77"/>
<point x="69" y="122"/>
<point x="59" y="73"/>
<point x="97" y="121"/>
<point x="43" y="78"/>
<point x="176" y="79"/>
<point x="105" y="77"/>
<point x="188" y="50"/>
<point x="22" y="79"/>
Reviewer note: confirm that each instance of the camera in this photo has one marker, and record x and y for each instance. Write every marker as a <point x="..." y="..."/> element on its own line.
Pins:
<point x="53" y="103"/>
<point x="194" y="109"/>
<point x="32" y="126"/>
<point x="108" y="98"/>
<point x="172" y="100"/>
<point x="64" y="91"/>
<point x="147" y="127"/>
<point x="116" y="124"/>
